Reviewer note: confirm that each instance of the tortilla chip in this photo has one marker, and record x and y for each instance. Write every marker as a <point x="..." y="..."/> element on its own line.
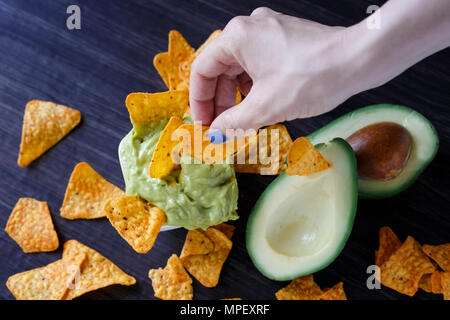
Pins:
<point x="435" y="281"/>
<point x="195" y="142"/>
<point x="162" y="163"/>
<point x="226" y="229"/>
<point x="303" y="288"/>
<point x="194" y="139"/>
<point x="179" y="51"/>
<point x="196" y="243"/>
<point x="136" y="221"/>
<point x="87" y="193"/>
<point x="206" y="267"/>
<point x="405" y="267"/>
<point x="163" y="65"/>
<point x="96" y="271"/>
<point x="271" y="142"/>
<point x="30" y="226"/>
<point x="145" y="108"/>
<point x="425" y="283"/>
<point x="445" y="283"/>
<point x="172" y="282"/>
<point x="335" y="293"/>
<point x="440" y="254"/>
<point x="389" y="243"/>
<point x="46" y="283"/>
<point x="44" y="125"/>
<point x="304" y="159"/>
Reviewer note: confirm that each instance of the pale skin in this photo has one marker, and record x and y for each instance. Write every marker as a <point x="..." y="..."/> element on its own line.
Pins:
<point x="290" y="68"/>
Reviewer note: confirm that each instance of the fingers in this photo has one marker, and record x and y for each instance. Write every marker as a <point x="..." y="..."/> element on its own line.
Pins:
<point x="215" y="60"/>
<point x="245" y="83"/>
<point x="251" y="113"/>
<point x="225" y="93"/>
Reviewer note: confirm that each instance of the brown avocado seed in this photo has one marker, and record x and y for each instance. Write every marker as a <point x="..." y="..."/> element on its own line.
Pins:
<point x="382" y="150"/>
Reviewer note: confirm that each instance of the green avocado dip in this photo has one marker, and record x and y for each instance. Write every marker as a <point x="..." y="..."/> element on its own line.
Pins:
<point x="197" y="196"/>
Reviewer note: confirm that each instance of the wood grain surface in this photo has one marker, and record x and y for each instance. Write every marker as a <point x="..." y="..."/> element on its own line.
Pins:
<point x="93" y="70"/>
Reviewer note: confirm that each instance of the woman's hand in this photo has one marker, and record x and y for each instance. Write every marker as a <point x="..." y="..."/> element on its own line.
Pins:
<point x="292" y="68"/>
<point x="287" y="67"/>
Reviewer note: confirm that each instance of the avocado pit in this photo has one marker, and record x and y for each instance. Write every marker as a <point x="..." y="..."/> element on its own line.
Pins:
<point x="382" y="150"/>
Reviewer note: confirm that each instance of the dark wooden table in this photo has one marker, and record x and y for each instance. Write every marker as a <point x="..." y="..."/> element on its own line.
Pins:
<point x="93" y="70"/>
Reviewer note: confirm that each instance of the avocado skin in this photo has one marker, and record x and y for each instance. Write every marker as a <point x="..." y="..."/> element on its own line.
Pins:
<point x="352" y="185"/>
<point x="381" y="193"/>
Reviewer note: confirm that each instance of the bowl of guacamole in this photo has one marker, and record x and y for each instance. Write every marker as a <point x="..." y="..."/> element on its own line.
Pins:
<point x="195" y="196"/>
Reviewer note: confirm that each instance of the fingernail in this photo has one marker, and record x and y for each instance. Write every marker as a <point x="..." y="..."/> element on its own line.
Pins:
<point x="216" y="136"/>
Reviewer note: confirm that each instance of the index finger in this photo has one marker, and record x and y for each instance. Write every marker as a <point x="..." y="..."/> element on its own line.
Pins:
<point x="216" y="59"/>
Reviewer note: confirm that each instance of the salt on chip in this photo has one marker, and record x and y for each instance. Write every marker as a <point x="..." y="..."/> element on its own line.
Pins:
<point x="136" y="221"/>
<point x="304" y="159"/>
<point x="335" y="293"/>
<point x="440" y="254"/>
<point x="405" y="267"/>
<point x="30" y="226"/>
<point x="206" y="268"/>
<point x="445" y="283"/>
<point x="303" y="288"/>
<point x="87" y="193"/>
<point x="266" y="153"/>
<point x="172" y="282"/>
<point x="44" y="124"/>
<point x="389" y="243"/>
<point x="46" y="283"/>
<point x="162" y="163"/>
<point x="96" y="271"/>
<point x="145" y="108"/>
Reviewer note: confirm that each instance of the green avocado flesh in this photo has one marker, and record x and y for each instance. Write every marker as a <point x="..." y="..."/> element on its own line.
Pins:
<point x="425" y="143"/>
<point x="197" y="196"/>
<point x="300" y="224"/>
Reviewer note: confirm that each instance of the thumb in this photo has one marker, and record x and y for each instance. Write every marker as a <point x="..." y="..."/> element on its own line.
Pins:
<point x="251" y="113"/>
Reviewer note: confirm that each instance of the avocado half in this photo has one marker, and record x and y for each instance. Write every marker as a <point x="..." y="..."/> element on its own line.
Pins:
<point x="300" y="224"/>
<point x="424" y="146"/>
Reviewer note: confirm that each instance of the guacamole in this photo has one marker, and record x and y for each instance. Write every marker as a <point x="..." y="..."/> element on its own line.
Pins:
<point x="197" y="196"/>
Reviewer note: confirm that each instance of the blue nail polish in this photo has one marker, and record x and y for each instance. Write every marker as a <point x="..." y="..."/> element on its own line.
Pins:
<point x="216" y="136"/>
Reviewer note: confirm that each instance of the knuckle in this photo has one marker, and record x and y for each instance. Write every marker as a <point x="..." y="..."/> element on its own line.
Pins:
<point x="237" y="24"/>
<point x="261" y="11"/>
